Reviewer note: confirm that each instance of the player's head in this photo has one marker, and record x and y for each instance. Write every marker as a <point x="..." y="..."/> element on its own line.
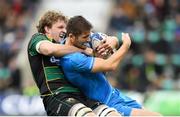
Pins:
<point x="53" y="24"/>
<point x="78" y="31"/>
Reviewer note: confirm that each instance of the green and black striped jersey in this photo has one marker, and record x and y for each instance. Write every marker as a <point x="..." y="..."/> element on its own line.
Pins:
<point x="47" y="74"/>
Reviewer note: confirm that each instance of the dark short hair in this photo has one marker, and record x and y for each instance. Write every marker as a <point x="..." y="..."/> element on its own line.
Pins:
<point x="77" y="25"/>
<point x="48" y="19"/>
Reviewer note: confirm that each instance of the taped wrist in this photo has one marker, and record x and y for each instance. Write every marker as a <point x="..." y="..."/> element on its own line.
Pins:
<point x="79" y="110"/>
<point x="103" y="110"/>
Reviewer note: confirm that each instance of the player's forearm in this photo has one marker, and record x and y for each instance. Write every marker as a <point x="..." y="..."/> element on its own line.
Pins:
<point x="50" y="49"/>
<point x="114" y="60"/>
<point x="114" y="42"/>
<point x="61" y="50"/>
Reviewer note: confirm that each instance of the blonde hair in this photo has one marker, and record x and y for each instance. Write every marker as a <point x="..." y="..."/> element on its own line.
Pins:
<point x="48" y="19"/>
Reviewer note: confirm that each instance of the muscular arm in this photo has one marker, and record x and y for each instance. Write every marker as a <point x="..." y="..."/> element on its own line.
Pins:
<point x="52" y="49"/>
<point x="101" y="65"/>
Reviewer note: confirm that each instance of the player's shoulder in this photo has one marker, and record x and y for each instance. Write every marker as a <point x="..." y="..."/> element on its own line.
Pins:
<point x="36" y="38"/>
<point x="38" y="35"/>
<point x="75" y="57"/>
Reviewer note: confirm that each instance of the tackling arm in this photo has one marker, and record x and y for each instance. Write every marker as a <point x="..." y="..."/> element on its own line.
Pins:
<point x="52" y="49"/>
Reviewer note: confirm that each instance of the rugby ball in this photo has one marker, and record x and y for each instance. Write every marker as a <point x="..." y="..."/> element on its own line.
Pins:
<point x="96" y="39"/>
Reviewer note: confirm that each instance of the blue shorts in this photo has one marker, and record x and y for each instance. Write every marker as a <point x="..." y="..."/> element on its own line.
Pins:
<point x="122" y="103"/>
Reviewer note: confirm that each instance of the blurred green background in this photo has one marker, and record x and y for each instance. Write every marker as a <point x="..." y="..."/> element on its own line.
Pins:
<point x="150" y="72"/>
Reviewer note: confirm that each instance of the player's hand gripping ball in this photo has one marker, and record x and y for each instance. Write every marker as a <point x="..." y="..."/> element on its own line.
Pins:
<point x="96" y="40"/>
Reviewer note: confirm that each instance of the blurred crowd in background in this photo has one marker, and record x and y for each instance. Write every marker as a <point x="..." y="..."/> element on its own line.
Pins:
<point x="15" y="16"/>
<point x="153" y="61"/>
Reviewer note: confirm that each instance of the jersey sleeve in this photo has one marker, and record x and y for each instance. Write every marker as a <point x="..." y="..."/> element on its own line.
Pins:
<point x="82" y="63"/>
<point x="35" y="42"/>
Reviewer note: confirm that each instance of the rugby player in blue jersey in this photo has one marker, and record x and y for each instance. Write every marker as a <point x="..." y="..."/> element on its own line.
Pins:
<point x="86" y="72"/>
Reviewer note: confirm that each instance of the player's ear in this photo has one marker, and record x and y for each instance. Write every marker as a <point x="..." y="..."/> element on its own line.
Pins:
<point x="46" y="29"/>
<point x="71" y="37"/>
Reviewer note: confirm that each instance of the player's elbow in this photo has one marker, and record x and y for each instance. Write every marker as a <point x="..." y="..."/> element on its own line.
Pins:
<point x="112" y="67"/>
<point x="46" y="51"/>
<point x="109" y="65"/>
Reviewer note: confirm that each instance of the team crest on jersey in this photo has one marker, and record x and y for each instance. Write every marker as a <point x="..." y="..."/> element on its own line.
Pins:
<point x="54" y="60"/>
